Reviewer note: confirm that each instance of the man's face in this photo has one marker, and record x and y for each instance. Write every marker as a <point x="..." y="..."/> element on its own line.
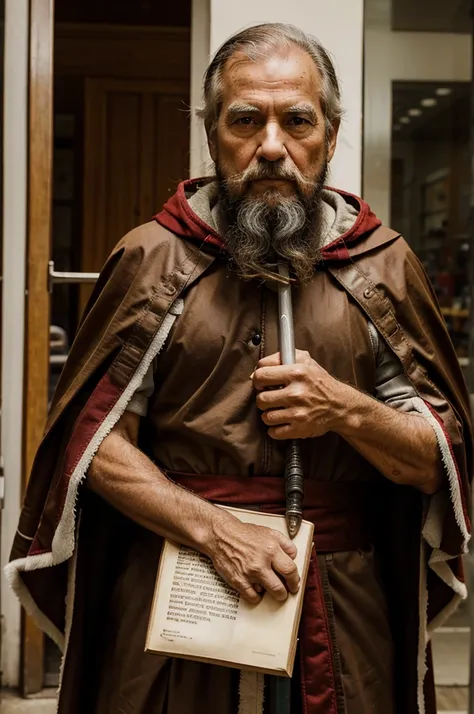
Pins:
<point x="271" y="139"/>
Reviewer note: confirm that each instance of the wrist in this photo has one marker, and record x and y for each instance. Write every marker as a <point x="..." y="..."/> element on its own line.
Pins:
<point x="346" y="409"/>
<point x="217" y="525"/>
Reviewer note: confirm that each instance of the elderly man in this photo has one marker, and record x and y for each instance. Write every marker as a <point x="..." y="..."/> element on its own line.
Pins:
<point x="167" y="405"/>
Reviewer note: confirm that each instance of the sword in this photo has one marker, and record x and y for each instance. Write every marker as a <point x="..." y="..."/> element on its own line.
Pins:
<point x="294" y="484"/>
<point x="280" y="687"/>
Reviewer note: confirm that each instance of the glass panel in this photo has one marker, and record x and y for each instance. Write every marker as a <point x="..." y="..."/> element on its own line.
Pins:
<point x="67" y="161"/>
<point x="418" y="178"/>
<point x="417" y="141"/>
<point x="430" y="190"/>
<point x="66" y="226"/>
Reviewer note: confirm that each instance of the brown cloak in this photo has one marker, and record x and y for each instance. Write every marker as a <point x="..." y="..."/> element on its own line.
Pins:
<point x="129" y="317"/>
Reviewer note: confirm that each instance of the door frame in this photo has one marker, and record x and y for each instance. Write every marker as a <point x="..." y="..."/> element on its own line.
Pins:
<point x="15" y="134"/>
<point x="37" y="304"/>
<point x="29" y="148"/>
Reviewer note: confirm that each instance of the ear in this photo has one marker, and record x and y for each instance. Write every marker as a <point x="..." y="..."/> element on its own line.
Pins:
<point x="332" y="138"/>
<point x="212" y="148"/>
<point x="211" y="133"/>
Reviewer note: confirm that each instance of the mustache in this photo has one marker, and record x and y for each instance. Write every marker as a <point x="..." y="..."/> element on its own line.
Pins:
<point x="267" y="170"/>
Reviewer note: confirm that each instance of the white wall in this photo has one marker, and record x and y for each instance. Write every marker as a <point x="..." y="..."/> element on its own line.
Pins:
<point x="200" y="161"/>
<point x="322" y="19"/>
<point x="14" y="244"/>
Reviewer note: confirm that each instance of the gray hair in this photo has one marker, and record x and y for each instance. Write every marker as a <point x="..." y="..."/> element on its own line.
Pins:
<point x="262" y="41"/>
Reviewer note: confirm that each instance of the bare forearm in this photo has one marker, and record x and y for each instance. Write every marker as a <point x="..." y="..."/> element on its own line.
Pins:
<point x="125" y="477"/>
<point x="401" y="446"/>
<point x="250" y="558"/>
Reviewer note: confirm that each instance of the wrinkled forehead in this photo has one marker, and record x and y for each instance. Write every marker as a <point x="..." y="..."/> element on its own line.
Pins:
<point x="288" y="76"/>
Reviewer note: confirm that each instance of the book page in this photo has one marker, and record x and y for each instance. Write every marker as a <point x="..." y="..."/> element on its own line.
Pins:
<point x="196" y="614"/>
<point x="199" y="595"/>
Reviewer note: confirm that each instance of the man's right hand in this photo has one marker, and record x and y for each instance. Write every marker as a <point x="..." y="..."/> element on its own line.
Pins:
<point x="251" y="557"/>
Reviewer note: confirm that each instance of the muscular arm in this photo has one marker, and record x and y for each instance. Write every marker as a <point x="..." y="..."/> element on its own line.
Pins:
<point x="401" y="446"/>
<point x="248" y="557"/>
<point x="126" y="478"/>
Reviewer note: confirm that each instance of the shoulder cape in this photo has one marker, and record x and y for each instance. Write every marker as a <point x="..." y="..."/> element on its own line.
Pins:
<point x="127" y="320"/>
<point x="422" y="538"/>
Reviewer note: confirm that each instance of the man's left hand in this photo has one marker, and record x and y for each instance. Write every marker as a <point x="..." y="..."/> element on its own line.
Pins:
<point x="308" y="402"/>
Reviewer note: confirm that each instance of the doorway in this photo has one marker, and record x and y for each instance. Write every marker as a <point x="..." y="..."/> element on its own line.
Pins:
<point x="117" y="128"/>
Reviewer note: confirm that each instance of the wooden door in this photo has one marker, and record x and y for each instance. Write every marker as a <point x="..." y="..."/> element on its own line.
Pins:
<point x="136" y="151"/>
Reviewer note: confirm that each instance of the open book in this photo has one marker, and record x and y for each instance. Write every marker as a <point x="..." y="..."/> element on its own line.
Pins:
<point x="196" y="615"/>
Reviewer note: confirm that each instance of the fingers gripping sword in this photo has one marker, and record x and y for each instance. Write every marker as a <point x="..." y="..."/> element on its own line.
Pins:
<point x="294" y="484"/>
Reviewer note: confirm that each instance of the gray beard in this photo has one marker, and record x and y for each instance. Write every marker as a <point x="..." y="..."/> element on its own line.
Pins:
<point x="260" y="232"/>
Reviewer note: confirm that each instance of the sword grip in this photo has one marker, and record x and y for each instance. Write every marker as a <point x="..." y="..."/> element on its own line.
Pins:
<point x="294" y="487"/>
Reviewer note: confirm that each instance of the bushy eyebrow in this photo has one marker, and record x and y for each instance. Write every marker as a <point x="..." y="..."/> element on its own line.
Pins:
<point x="307" y="109"/>
<point x="238" y="109"/>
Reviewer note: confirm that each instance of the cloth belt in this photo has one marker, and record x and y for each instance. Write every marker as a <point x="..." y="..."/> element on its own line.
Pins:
<point x="340" y="511"/>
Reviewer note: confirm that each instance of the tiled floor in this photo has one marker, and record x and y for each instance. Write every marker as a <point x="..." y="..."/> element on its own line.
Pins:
<point x="452" y="699"/>
<point x="451" y="656"/>
<point x="10" y="704"/>
<point x="451" y="661"/>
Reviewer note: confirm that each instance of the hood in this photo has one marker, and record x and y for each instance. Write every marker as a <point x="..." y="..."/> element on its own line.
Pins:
<point x="181" y="215"/>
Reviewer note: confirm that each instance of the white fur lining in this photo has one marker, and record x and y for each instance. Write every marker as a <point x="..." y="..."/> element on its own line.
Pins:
<point x="64" y="537"/>
<point x="12" y="574"/>
<point x="431" y="531"/>
<point x="435" y="511"/>
<point x="436" y="507"/>
<point x="70" y="596"/>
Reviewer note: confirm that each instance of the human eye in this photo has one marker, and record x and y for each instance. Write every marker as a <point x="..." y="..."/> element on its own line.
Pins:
<point x="244" y="121"/>
<point x="298" y="121"/>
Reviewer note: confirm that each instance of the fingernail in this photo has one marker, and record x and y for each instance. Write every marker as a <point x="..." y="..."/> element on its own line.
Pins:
<point x="251" y="376"/>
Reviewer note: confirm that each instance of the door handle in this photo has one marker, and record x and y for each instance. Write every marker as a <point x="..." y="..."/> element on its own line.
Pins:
<point x="57" y="278"/>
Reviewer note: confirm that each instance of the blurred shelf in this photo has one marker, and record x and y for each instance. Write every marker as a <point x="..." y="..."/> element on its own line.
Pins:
<point x="454" y="312"/>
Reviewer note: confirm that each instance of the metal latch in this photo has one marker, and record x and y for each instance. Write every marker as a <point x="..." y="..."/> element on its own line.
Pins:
<point x="57" y="278"/>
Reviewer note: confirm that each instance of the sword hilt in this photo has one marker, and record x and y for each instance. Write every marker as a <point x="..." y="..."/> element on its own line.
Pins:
<point x="294" y="488"/>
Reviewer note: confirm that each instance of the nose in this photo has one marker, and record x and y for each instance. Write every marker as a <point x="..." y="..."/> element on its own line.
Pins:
<point x="272" y="147"/>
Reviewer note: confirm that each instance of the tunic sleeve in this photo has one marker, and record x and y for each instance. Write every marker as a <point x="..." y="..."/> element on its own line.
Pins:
<point x="391" y="384"/>
<point x="138" y="404"/>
